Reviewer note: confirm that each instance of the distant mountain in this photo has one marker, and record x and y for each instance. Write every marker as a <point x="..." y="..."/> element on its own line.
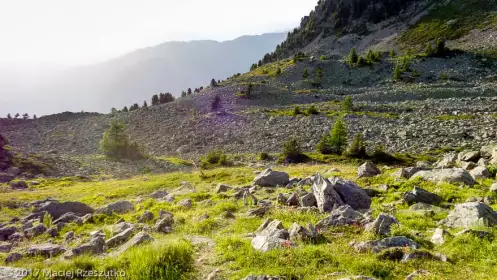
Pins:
<point x="135" y="77"/>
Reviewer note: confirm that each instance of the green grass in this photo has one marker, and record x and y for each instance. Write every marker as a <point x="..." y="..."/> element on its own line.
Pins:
<point x="455" y="117"/>
<point x="466" y="15"/>
<point x="172" y="257"/>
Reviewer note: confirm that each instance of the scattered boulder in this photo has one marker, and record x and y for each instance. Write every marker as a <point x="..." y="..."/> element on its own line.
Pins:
<point x="45" y="250"/>
<point x="120" y="238"/>
<point x="308" y="200"/>
<point x="221" y="188"/>
<point x="164" y="224"/>
<point x="368" y="169"/>
<point x="270" y="178"/>
<point x="298" y="232"/>
<point x="469" y="156"/>
<point x="18" y="185"/>
<point x="274" y="229"/>
<point x="471" y="214"/>
<point x="420" y="195"/>
<point x="440" y="236"/>
<point x="417" y="254"/>
<point x="120" y="227"/>
<point x="69" y="218"/>
<point x="379" y="245"/>
<point x="267" y="243"/>
<point x="281" y="198"/>
<point x="293" y="200"/>
<point x="327" y="197"/>
<point x="6" y="232"/>
<point x="57" y="209"/>
<point x="52" y="232"/>
<point x="351" y="194"/>
<point x="37" y="230"/>
<point x="5" y="247"/>
<point x="139" y="239"/>
<point x="467" y="165"/>
<point x="480" y="172"/>
<point x="259" y="212"/>
<point x="448" y="161"/>
<point x="94" y="246"/>
<point x="158" y="194"/>
<point x="454" y="175"/>
<point x="344" y="215"/>
<point x="13" y="257"/>
<point x="493" y="188"/>
<point x="483" y="162"/>
<point x="16" y="237"/>
<point x="186" y="203"/>
<point x="358" y="277"/>
<point x="382" y="224"/>
<point x="69" y="236"/>
<point x="6" y="177"/>
<point x="146" y="217"/>
<point x="408" y="172"/>
<point x="118" y="207"/>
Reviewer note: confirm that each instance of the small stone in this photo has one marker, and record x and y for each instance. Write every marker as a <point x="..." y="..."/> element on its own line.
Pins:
<point x="439" y="236"/>
<point x="368" y="169"/>
<point x="146" y="217"/>
<point x="221" y="188"/>
<point x="186" y="203"/>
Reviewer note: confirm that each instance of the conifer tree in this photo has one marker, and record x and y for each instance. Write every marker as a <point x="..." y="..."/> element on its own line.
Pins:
<point x="305" y="74"/>
<point x="125" y="109"/>
<point x="353" y="57"/>
<point x="357" y="149"/>
<point x="189" y="91"/>
<point x="155" y="100"/>
<point x="145" y="105"/>
<point x="347" y="105"/>
<point x="9" y="116"/>
<point x="336" y="141"/>
<point x="16" y="116"/>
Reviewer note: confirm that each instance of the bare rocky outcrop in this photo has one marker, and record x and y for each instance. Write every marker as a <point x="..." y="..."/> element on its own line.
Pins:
<point x="270" y="178"/>
<point x="471" y="214"/>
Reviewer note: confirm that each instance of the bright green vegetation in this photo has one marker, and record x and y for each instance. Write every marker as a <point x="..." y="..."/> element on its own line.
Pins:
<point x="173" y="256"/>
<point x="455" y="117"/>
<point x="452" y="21"/>
<point x="116" y="144"/>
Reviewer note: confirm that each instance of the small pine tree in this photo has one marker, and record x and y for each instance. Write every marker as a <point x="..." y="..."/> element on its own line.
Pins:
<point x="397" y="72"/>
<point x="35" y="117"/>
<point x="189" y="91"/>
<point x="347" y="104"/>
<point x="440" y="47"/>
<point x="216" y="103"/>
<point x="305" y="75"/>
<point x="183" y="93"/>
<point x="319" y="72"/>
<point x="125" y="109"/>
<point x="278" y="71"/>
<point x="292" y="152"/>
<point x="336" y="141"/>
<point x="25" y="116"/>
<point x="353" y="57"/>
<point x="393" y="53"/>
<point x="428" y="49"/>
<point x="113" y="111"/>
<point x="145" y="105"/>
<point x="155" y="100"/>
<point x="296" y="111"/>
<point x="312" y="110"/>
<point x="115" y="143"/>
<point x="357" y="149"/>
<point x="16" y="116"/>
<point x="9" y="116"/>
<point x="213" y="83"/>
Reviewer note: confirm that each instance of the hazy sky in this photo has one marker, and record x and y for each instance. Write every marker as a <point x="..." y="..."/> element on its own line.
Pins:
<point x="70" y="32"/>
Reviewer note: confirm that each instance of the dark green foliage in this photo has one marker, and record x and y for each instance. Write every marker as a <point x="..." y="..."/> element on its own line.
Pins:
<point x="353" y="57"/>
<point x="134" y="107"/>
<point x="183" y="94"/>
<point x="305" y="75"/>
<point x="125" y="109"/>
<point x="292" y="152"/>
<point x="34" y="117"/>
<point x="155" y="100"/>
<point x="312" y="110"/>
<point x="357" y="149"/>
<point x="116" y="144"/>
<point x="297" y="111"/>
<point x="165" y="98"/>
<point x="392" y="53"/>
<point x="214" y="158"/>
<point x="216" y="103"/>
<point x="379" y="155"/>
<point x="213" y="83"/>
<point x="319" y="72"/>
<point x="278" y="71"/>
<point x="25" y="116"/>
<point x="145" y="105"/>
<point x="347" y="105"/>
<point x="9" y="116"/>
<point x="428" y="49"/>
<point x="440" y="47"/>
<point x="397" y="73"/>
<point x="113" y="111"/>
<point x="264" y="156"/>
<point x="16" y="116"/>
<point x="253" y="67"/>
<point x="336" y="141"/>
<point x="323" y="57"/>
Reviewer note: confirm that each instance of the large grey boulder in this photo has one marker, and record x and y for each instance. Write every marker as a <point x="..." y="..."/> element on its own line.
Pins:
<point x="120" y="238"/>
<point x="164" y="224"/>
<point x="298" y="232"/>
<point x="379" y="245"/>
<point x="6" y="232"/>
<point x="469" y="156"/>
<point x="368" y="169"/>
<point x="308" y="200"/>
<point x="419" y="195"/>
<point x="6" y="177"/>
<point x="448" y="161"/>
<point x="118" y="207"/>
<point x="471" y="214"/>
<point x="326" y="195"/>
<point x="487" y="151"/>
<point x="408" y="172"/>
<point x="18" y="185"/>
<point x="147" y="216"/>
<point x="120" y="227"/>
<point x="94" y="246"/>
<point x="351" y="194"/>
<point x="158" y="194"/>
<point x="68" y="218"/>
<point x="343" y="215"/>
<point x="57" y="209"/>
<point x="453" y="175"/>
<point x="45" y="250"/>
<point x="480" y="172"/>
<point x="274" y="229"/>
<point x="270" y="178"/>
<point x="139" y="239"/>
<point x="267" y="243"/>
<point x="382" y="224"/>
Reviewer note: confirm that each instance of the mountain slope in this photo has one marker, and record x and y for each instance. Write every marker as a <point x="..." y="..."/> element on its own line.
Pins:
<point x="169" y="67"/>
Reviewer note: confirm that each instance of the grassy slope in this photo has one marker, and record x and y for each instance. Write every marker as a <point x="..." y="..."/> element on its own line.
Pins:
<point x="474" y="258"/>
